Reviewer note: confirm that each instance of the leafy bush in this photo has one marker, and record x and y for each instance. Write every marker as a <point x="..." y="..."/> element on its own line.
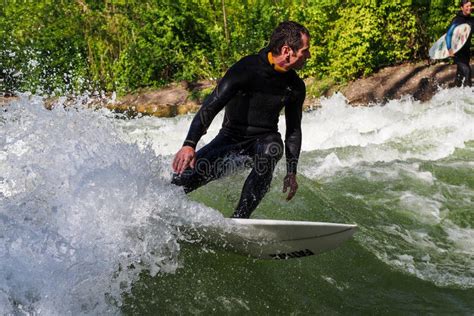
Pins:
<point x="43" y="51"/>
<point x="117" y="45"/>
<point x="353" y="42"/>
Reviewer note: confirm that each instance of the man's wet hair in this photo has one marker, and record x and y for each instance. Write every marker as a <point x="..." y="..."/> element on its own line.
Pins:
<point x="463" y="2"/>
<point x="287" y="33"/>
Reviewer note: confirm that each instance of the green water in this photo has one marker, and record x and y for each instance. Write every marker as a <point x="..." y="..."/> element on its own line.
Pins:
<point x="90" y="224"/>
<point x="411" y="255"/>
<point x="344" y="281"/>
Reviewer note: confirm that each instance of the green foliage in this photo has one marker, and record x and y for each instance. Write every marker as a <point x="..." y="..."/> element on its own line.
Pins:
<point x="403" y="37"/>
<point x="250" y="31"/>
<point x="200" y="95"/>
<point x="123" y="45"/>
<point x="318" y="16"/>
<point x="353" y="41"/>
<point x="441" y="12"/>
<point x="318" y="88"/>
<point x="369" y="35"/>
<point x="30" y="58"/>
<point x="169" y="44"/>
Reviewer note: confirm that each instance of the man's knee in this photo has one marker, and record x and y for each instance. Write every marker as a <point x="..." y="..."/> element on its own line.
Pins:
<point x="269" y="152"/>
<point x="272" y="147"/>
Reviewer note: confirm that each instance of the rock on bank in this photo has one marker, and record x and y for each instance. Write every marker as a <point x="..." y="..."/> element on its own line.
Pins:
<point x="419" y="80"/>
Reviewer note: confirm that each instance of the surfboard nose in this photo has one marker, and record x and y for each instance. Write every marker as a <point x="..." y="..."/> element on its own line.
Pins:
<point x="280" y="239"/>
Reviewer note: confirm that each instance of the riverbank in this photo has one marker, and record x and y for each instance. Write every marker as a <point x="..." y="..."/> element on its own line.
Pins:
<point x="419" y="80"/>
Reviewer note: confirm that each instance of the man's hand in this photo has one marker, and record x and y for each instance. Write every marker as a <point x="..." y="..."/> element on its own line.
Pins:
<point x="451" y="52"/>
<point x="184" y="158"/>
<point x="290" y="182"/>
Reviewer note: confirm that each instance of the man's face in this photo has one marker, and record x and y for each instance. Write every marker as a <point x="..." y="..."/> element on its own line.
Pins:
<point x="467" y="8"/>
<point x="298" y="58"/>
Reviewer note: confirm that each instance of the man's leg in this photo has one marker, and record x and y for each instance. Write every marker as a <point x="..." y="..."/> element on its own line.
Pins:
<point x="468" y="82"/>
<point x="463" y="72"/>
<point x="212" y="162"/>
<point x="267" y="151"/>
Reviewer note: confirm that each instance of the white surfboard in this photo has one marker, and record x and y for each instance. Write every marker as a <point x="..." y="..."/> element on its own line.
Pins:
<point x="278" y="239"/>
<point x="439" y="49"/>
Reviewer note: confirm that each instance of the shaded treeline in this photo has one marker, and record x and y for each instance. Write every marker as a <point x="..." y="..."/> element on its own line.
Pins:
<point x="124" y="45"/>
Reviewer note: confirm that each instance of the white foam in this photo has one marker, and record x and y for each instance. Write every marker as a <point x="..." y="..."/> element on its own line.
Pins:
<point x="402" y="129"/>
<point x="79" y="206"/>
<point x="431" y="257"/>
<point x="425" y="209"/>
<point x="463" y="238"/>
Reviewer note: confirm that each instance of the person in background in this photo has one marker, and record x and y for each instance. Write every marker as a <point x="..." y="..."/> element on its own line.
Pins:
<point x="463" y="56"/>
<point x="253" y="91"/>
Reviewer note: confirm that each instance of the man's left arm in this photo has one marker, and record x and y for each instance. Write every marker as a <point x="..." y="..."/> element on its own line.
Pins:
<point x="293" y="114"/>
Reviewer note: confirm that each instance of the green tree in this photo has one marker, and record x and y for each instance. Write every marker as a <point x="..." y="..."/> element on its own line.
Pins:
<point x="124" y="45"/>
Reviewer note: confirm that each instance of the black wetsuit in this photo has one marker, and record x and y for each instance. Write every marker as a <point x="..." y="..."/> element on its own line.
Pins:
<point x="463" y="56"/>
<point x="253" y="94"/>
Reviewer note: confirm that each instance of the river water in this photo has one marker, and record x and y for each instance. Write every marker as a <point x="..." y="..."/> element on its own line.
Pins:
<point x="89" y="223"/>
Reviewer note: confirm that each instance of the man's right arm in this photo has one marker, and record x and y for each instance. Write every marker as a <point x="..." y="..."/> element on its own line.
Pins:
<point x="225" y="90"/>
<point x="214" y="103"/>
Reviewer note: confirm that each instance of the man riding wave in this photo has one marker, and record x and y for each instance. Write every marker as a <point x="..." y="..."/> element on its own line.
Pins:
<point x="253" y="91"/>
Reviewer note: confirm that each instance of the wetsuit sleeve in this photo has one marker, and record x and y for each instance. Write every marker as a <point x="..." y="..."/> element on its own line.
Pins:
<point x="225" y="90"/>
<point x="449" y="35"/>
<point x="293" y="114"/>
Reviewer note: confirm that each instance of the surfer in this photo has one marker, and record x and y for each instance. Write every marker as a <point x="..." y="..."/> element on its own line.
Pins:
<point x="463" y="56"/>
<point x="253" y="91"/>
